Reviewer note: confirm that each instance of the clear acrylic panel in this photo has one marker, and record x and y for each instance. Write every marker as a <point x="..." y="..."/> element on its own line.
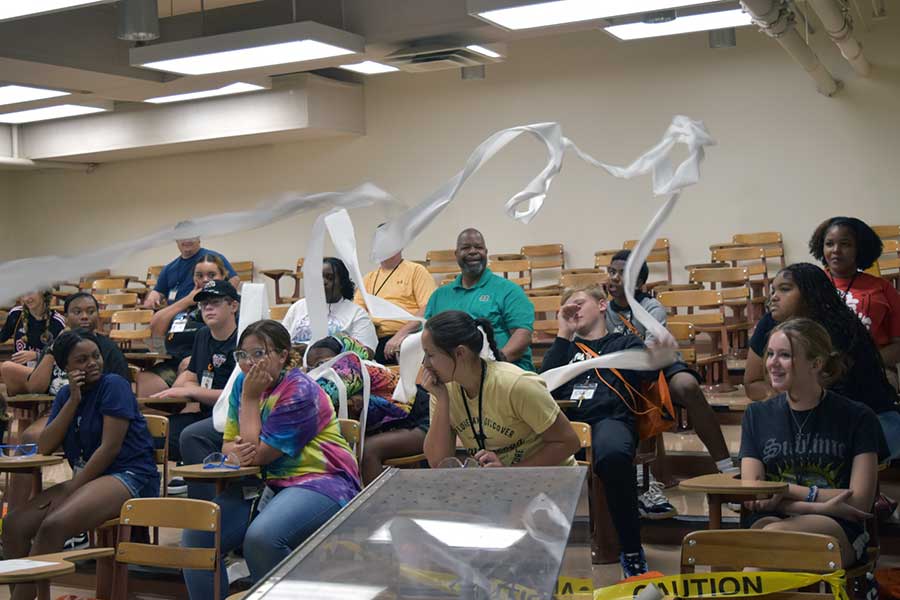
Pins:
<point x="438" y="533"/>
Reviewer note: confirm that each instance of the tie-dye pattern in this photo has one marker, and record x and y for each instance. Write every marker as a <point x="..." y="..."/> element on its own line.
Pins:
<point x="383" y="381"/>
<point x="299" y="421"/>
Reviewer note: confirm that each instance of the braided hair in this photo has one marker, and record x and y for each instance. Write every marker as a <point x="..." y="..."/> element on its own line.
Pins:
<point x="823" y="304"/>
<point x="47" y="335"/>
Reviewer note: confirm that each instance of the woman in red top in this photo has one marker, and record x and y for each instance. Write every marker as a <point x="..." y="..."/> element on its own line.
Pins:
<point x="846" y="247"/>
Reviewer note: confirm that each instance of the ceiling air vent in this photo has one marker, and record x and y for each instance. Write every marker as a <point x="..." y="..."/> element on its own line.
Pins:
<point x="423" y="59"/>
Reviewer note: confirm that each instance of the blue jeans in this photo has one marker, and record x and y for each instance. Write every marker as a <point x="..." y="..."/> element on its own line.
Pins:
<point x="890" y="425"/>
<point x="288" y="519"/>
<point x="197" y="441"/>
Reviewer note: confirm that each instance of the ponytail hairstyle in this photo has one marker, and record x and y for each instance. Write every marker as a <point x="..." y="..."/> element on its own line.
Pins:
<point x="67" y="341"/>
<point x="813" y="339"/>
<point x="453" y="328"/>
<point x="275" y="337"/>
<point x="215" y="260"/>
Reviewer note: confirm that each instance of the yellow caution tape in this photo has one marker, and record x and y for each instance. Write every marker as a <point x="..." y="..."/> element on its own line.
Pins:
<point x="500" y="590"/>
<point x="719" y="584"/>
<point x="573" y="585"/>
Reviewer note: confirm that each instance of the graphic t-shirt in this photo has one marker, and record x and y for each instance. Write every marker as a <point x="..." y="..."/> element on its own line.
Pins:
<point x="176" y="280"/>
<point x="814" y="447"/>
<point x="409" y="286"/>
<point x="15" y="328"/>
<point x="113" y="362"/>
<point x="494" y="298"/>
<point x="212" y="361"/>
<point x="864" y="380"/>
<point x="875" y="302"/>
<point x="110" y="397"/>
<point x="516" y="410"/>
<point x="344" y="316"/>
<point x="614" y="314"/>
<point x="299" y="421"/>
<point x="597" y="401"/>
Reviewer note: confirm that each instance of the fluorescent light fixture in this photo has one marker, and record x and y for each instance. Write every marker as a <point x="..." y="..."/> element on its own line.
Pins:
<point x="50" y="112"/>
<point x="370" y="67"/>
<point x="686" y="24"/>
<point x="525" y="14"/>
<point x="13" y="94"/>
<point x="460" y="535"/>
<point x="234" y="88"/>
<point x="14" y="9"/>
<point x="290" y="589"/>
<point x="483" y="51"/>
<point x="282" y="44"/>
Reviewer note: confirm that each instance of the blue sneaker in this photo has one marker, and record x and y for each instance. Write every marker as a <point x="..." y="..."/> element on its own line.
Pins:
<point x="633" y="563"/>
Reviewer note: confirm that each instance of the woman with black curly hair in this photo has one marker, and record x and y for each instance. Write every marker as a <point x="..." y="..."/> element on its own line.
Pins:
<point x="847" y="247"/>
<point x="804" y="290"/>
<point x="344" y="315"/>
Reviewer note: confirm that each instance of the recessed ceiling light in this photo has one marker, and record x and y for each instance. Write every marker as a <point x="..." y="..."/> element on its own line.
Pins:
<point x="483" y="51"/>
<point x="234" y="88"/>
<point x="49" y="112"/>
<point x="525" y="14"/>
<point x="370" y="67"/>
<point x="685" y="24"/>
<point x="14" y="9"/>
<point x="253" y="48"/>
<point x="13" y="94"/>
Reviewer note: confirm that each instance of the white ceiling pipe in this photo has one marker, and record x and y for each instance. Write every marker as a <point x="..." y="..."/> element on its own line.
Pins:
<point x="27" y="163"/>
<point x="839" y="27"/>
<point x="777" y="21"/>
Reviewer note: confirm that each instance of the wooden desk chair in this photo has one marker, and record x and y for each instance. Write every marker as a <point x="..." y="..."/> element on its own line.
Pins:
<point x="109" y="286"/>
<point x="602" y="258"/>
<point x="734" y="284"/>
<point x="734" y="550"/>
<point x="442" y="264"/>
<point x="573" y="278"/>
<point x="546" y="325"/>
<point x="276" y="275"/>
<point x="244" y="270"/>
<point x="604" y="540"/>
<point x="889" y="262"/>
<point x="279" y="311"/>
<point x="767" y="239"/>
<point x="112" y="303"/>
<point x="887" y="232"/>
<point x="350" y="432"/>
<point x="544" y="258"/>
<point x="153" y="272"/>
<point x="660" y="254"/>
<point x="175" y="513"/>
<point x="137" y="318"/>
<point x="754" y="258"/>
<point x="675" y="287"/>
<point x="712" y="305"/>
<point x="84" y="282"/>
<point x="61" y="563"/>
<point x="517" y="271"/>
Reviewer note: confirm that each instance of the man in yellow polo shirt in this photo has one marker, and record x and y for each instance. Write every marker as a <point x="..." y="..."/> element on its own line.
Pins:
<point x="408" y="285"/>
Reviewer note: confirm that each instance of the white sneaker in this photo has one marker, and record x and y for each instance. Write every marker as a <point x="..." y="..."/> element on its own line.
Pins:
<point x="654" y="505"/>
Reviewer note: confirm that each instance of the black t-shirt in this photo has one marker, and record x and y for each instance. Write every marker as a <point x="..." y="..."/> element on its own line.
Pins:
<point x="863" y="380"/>
<point x="814" y="447"/>
<point x="604" y="403"/>
<point x="182" y="330"/>
<point x="113" y="362"/>
<point x="212" y="360"/>
<point x="15" y="328"/>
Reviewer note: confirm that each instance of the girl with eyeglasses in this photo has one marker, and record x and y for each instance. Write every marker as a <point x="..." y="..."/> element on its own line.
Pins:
<point x="282" y="421"/>
<point x="96" y="421"/>
<point x="824" y="445"/>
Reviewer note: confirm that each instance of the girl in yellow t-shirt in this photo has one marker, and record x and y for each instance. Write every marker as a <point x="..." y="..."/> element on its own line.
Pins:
<point x="504" y="415"/>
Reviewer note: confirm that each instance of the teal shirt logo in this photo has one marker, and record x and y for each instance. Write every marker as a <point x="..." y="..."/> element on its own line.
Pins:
<point x="484" y="298"/>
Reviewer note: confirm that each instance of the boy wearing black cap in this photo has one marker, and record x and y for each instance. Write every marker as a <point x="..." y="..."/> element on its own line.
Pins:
<point x="212" y="358"/>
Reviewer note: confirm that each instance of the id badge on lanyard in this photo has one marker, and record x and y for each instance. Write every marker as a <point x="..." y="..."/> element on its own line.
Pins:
<point x="172" y="294"/>
<point x="583" y="391"/>
<point x="179" y="323"/>
<point x="206" y="382"/>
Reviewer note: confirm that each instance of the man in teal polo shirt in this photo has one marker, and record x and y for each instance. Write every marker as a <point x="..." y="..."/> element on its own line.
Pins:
<point x="480" y="293"/>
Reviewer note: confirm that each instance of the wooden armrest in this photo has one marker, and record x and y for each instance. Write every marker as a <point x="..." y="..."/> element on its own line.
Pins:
<point x="110" y="523"/>
<point x="276" y="273"/>
<point x="76" y="555"/>
<point x="404" y="460"/>
<point x="727" y="483"/>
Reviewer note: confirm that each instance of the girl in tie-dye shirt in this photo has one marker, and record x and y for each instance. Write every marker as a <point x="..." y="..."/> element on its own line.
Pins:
<point x="281" y="421"/>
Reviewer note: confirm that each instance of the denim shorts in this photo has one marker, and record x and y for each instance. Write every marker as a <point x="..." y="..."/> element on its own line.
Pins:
<point x="139" y="486"/>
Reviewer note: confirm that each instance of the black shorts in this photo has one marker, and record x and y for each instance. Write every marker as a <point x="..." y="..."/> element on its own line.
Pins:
<point x="854" y="530"/>
<point x="680" y="367"/>
<point x="419" y="416"/>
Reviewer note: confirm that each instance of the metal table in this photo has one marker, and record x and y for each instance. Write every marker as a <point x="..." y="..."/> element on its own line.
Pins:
<point x="438" y="533"/>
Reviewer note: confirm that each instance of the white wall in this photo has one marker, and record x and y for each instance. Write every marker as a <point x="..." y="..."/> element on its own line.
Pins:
<point x="787" y="156"/>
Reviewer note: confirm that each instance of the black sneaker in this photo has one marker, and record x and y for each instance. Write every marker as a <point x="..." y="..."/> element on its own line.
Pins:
<point x="78" y="542"/>
<point x="177" y="487"/>
<point x="653" y="504"/>
<point x="633" y="563"/>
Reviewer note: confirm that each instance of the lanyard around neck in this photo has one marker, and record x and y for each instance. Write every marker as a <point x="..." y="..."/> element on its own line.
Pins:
<point x="479" y="436"/>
